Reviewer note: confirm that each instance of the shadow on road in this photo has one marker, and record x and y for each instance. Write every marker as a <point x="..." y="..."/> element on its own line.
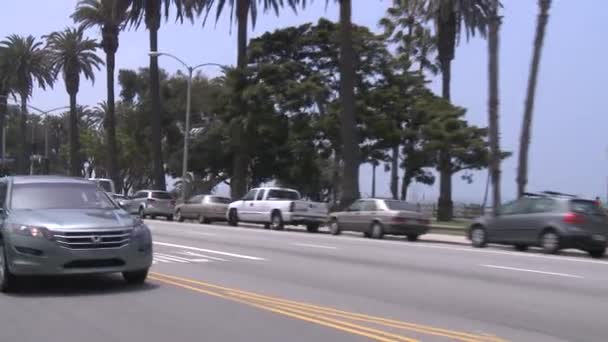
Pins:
<point x="71" y="286"/>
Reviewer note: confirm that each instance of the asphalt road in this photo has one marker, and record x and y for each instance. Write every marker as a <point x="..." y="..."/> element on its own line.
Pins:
<point x="218" y="283"/>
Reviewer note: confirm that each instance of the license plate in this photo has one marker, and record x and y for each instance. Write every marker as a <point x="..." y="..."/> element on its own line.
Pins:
<point x="598" y="237"/>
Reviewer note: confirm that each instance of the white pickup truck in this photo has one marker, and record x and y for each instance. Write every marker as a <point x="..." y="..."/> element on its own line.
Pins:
<point x="275" y="208"/>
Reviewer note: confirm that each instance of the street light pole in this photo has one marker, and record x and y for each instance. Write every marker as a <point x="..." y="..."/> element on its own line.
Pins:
<point x="190" y="71"/>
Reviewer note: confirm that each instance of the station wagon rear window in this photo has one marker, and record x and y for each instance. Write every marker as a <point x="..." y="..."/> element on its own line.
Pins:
<point x="586" y="207"/>
<point x="401" y="205"/>
<point x="161" y="195"/>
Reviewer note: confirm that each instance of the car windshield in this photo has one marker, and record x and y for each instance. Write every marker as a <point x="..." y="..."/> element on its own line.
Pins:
<point x="586" y="207"/>
<point x="59" y="196"/>
<point x="161" y="195"/>
<point x="401" y="205"/>
<point x="276" y="194"/>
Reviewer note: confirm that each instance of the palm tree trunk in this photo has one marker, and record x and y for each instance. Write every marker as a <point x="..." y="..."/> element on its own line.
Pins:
<point x="3" y="115"/>
<point x="74" y="160"/>
<point x="405" y="186"/>
<point x="238" y="183"/>
<point x="524" y="144"/>
<point x="445" y="205"/>
<point x="110" y="124"/>
<point x="494" y="131"/>
<point x="394" y="172"/>
<point x="22" y="146"/>
<point x="348" y="128"/>
<point x="374" y="179"/>
<point x="157" y="149"/>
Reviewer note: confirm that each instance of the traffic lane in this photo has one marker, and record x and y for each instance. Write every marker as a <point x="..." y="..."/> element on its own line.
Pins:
<point x="413" y="289"/>
<point x="103" y="308"/>
<point x="380" y="252"/>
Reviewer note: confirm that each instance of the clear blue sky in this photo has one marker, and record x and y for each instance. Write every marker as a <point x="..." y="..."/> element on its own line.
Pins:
<point x="569" y="150"/>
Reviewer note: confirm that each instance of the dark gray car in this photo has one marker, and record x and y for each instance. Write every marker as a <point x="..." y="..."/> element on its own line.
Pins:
<point x="550" y="220"/>
<point x="59" y="226"/>
<point x="376" y="217"/>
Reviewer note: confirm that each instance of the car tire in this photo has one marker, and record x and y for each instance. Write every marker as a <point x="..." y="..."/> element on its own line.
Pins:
<point x="334" y="227"/>
<point x="597" y="253"/>
<point x="178" y="216"/>
<point x="135" y="277"/>
<point x="7" y="279"/>
<point x="266" y="225"/>
<point x="233" y="218"/>
<point x="550" y="242"/>
<point x="312" y="227"/>
<point x="521" y="248"/>
<point x="377" y="231"/>
<point x="169" y="217"/>
<point x="412" y="237"/>
<point x="478" y="237"/>
<point x="203" y="220"/>
<point x="141" y="213"/>
<point x="367" y="234"/>
<point x="276" y="221"/>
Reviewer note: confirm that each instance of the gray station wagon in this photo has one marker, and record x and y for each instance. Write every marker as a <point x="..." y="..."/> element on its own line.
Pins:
<point x="204" y="208"/>
<point x="550" y="220"/>
<point x="59" y="226"/>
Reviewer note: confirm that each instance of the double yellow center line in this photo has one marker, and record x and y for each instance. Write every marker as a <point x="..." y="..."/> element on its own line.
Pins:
<point x="337" y="319"/>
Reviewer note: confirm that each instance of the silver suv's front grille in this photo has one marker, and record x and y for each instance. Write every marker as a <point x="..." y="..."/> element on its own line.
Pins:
<point x="93" y="239"/>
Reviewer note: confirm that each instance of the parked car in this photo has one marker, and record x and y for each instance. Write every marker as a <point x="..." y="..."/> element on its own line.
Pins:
<point x="204" y="208"/>
<point x="275" y="208"/>
<point x="106" y="184"/>
<point x="376" y="217"/>
<point x="59" y="226"/>
<point x="550" y="220"/>
<point x="152" y="203"/>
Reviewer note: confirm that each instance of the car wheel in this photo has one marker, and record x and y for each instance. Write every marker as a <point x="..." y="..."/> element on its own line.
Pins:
<point x="141" y="213"/>
<point x="7" y="279"/>
<point x="334" y="227"/>
<point x="135" y="277"/>
<point x="597" y="253"/>
<point x="312" y="227"/>
<point x="412" y="237"/>
<point x="266" y="225"/>
<point x="478" y="237"/>
<point x="521" y="248"/>
<point x="203" y="220"/>
<point x="377" y="230"/>
<point x="233" y="218"/>
<point x="276" y="221"/>
<point x="367" y="234"/>
<point x="549" y="242"/>
<point x="178" y="216"/>
<point x="169" y="217"/>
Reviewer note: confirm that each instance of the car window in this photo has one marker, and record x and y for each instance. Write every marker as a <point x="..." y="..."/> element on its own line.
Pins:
<point x="260" y="195"/>
<point x="141" y="194"/>
<point x="3" y="188"/>
<point x="250" y="195"/>
<point x="161" y="195"/>
<point x="402" y="205"/>
<point x="106" y="185"/>
<point x="59" y="196"/>
<point x="369" y="206"/>
<point x="278" y="194"/>
<point x="355" y="206"/>
<point x="222" y="200"/>
<point x="540" y="205"/>
<point x="513" y="208"/>
<point x="586" y="207"/>
<point x="195" y="199"/>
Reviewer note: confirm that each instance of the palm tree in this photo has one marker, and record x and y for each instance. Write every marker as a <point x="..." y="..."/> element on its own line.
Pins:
<point x="4" y="94"/>
<point x="110" y="16"/>
<point x="27" y="65"/>
<point x="450" y="18"/>
<point x="493" y="129"/>
<point x="73" y="54"/>
<point x="244" y="9"/>
<point x="524" y="144"/>
<point x="151" y="12"/>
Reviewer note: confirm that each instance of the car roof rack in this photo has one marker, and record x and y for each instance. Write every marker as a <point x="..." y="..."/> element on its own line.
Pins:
<point x="555" y="193"/>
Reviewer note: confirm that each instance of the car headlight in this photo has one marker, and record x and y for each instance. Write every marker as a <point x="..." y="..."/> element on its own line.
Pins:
<point x="139" y="229"/>
<point x="32" y="231"/>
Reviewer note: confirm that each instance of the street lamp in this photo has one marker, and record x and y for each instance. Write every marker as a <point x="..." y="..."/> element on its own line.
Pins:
<point x="190" y="70"/>
<point x="45" y="114"/>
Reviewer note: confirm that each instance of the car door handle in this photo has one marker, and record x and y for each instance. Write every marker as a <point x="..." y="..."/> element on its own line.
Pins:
<point x="251" y="204"/>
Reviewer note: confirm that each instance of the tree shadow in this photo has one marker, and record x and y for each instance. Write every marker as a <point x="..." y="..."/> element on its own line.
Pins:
<point x="76" y="285"/>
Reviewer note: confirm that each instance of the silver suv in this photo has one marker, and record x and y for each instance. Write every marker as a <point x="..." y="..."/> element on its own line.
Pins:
<point x="550" y="220"/>
<point x="58" y="226"/>
<point x="152" y="203"/>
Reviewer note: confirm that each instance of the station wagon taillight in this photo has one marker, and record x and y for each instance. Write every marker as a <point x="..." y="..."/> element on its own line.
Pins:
<point x="574" y="218"/>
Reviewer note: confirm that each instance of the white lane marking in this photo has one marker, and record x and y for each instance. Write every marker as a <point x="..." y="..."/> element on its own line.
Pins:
<point x="203" y="233"/>
<point x="247" y="257"/>
<point x="161" y="259"/>
<point x="203" y="256"/>
<point x="532" y="271"/>
<point x="172" y="258"/>
<point x="313" y="245"/>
